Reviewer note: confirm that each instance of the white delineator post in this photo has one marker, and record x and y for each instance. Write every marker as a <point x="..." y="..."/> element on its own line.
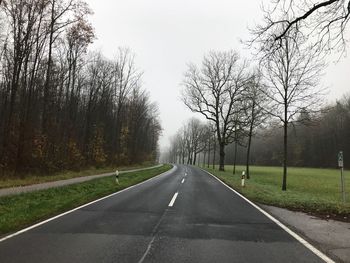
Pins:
<point x="117" y="177"/>
<point x="341" y="166"/>
<point x="243" y="178"/>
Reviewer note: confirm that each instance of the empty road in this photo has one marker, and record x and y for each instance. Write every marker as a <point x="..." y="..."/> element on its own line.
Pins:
<point x="184" y="215"/>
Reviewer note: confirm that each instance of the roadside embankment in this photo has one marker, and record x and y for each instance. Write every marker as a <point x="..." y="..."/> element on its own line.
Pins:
<point x="10" y="181"/>
<point x="58" y="183"/>
<point x="18" y="211"/>
<point x="310" y="190"/>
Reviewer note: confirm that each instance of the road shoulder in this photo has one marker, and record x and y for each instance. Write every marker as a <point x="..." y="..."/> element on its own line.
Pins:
<point x="23" y="210"/>
<point x="331" y="236"/>
<point x="58" y="183"/>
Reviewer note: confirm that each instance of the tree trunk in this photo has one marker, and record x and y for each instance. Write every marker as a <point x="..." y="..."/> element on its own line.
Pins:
<point x="214" y="153"/>
<point x="285" y="122"/>
<point x="48" y="72"/>
<point x="19" y="163"/>
<point x="204" y="159"/>
<point x="14" y="86"/>
<point x="222" y="157"/>
<point x="235" y="158"/>
<point x="250" y="139"/>
<point x="208" y="152"/>
<point x="248" y="151"/>
<point x="285" y="151"/>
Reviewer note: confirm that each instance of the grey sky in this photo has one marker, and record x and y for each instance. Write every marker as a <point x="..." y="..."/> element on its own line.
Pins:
<point x="165" y="35"/>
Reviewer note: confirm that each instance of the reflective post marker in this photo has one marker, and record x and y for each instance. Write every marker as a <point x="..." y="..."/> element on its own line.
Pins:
<point x="342" y="179"/>
<point x="117" y="177"/>
<point x="243" y="177"/>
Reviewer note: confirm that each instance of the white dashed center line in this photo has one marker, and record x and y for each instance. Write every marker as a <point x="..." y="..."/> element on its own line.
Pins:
<point x="183" y="180"/>
<point x="173" y="200"/>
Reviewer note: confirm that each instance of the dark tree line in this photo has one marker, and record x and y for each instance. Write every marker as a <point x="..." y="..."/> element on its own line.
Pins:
<point x="62" y="107"/>
<point x="314" y="142"/>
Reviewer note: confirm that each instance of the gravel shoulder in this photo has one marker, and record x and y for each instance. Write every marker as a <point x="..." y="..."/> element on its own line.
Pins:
<point x="332" y="237"/>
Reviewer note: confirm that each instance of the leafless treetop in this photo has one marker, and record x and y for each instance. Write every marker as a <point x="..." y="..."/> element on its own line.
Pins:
<point x="323" y="22"/>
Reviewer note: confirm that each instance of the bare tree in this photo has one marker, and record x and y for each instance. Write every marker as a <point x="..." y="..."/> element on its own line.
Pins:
<point x="126" y="77"/>
<point x="324" y="22"/>
<point x="213" y="140"/>
<point x="61" y="15"/>
<point x="182" y="145"/>
<point x="215" y="90"/>
<point x="291" y="75"/>
<point x="189" y="141"/>
<point x="194" y="138"/>
<point x="198" y="135"/>
<point x="179" y="145"/>
<point x="210" y="133"/>
<point x="255" y="114"/>
<point x="240" y="123"/>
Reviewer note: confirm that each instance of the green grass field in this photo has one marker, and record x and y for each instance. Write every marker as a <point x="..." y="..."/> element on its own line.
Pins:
<point x="21" y="210"/>
<point x="29" y="179"/>
<point x="308" y="189"/>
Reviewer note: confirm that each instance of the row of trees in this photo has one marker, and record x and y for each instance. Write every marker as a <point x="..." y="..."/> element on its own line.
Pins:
<point x="190" y="140"/>
<point x="233" y="107"/>
<point x="237" y="99"/>
<point x="223" y="91"/>
<point x="289" y="65"/>
<point x="62" y="107"/>
<point x="315" y="142"/>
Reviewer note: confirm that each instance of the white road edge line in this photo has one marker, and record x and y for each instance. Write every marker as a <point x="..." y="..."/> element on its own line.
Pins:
<point x="173" y="199"/>
<point x="183" y="180"/>
<point x="284" y="227"/>
<point x="82" y="206"/>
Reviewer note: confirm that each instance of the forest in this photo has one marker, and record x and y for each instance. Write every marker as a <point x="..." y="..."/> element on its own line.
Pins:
<point x="62" y="105"/>
<point x="315" y="142"/>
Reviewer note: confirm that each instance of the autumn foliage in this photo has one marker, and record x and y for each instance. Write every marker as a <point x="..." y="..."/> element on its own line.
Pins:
<point x="63" y="106"/>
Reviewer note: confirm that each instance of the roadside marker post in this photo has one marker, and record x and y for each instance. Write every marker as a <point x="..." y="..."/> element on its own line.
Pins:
<point x="117" y="177"/>
<point x="342" y="179"/>
<point x="243" y="179"/>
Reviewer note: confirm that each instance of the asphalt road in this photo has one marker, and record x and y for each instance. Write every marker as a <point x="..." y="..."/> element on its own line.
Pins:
<point x="206" y="222"/>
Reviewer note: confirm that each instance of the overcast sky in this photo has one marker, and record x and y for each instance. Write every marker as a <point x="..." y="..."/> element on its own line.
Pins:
<point x="165" y="35"/>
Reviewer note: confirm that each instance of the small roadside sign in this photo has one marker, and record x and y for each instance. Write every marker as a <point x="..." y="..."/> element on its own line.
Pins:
<point x="342" y="178"/>
<point x="340" y="159"/>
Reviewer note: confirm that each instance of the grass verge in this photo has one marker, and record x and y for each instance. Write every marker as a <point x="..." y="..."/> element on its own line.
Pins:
<point x="18" y="211"/>
<point x="311" y="190"/>
<point x="29" y="179"/>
